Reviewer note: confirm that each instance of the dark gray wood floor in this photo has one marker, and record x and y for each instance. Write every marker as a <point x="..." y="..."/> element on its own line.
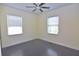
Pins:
<point x="38" y="47"/>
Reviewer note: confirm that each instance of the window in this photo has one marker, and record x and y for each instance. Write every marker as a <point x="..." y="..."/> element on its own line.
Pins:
<point x="53" y="23"/>
<point x="14" y="24"/>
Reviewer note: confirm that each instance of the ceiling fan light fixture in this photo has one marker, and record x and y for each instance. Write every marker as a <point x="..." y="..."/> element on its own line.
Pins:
<point x="39" y="7"/>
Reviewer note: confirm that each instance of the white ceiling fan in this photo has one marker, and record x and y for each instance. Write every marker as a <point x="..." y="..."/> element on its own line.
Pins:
<point x="39" y="7"/>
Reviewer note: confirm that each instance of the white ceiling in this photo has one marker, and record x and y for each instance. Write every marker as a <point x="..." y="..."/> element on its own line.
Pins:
<point x="22" y="6"/>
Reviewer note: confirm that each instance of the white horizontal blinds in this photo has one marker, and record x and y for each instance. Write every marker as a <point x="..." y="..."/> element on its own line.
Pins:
<point x="14" y="20"/>
<point x="14" y="24"/>
<point x="53" y="23"/>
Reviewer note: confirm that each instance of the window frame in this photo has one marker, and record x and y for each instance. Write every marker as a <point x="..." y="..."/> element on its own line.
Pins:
<point x="15" y="26"/>
<point x="53" y="25"/>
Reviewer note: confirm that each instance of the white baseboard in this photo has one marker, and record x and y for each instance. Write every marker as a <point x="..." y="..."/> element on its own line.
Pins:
<point x="61" y="44"/>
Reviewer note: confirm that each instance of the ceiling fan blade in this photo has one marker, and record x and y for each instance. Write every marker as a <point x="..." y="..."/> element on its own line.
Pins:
<point x="35" y="4"/>
<point x="45" y="7"/>
<point x="41" y="4"/>
<point x="29" y="6"/>
<point x="34" y="10"/>
<point x="41" y="10"/>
